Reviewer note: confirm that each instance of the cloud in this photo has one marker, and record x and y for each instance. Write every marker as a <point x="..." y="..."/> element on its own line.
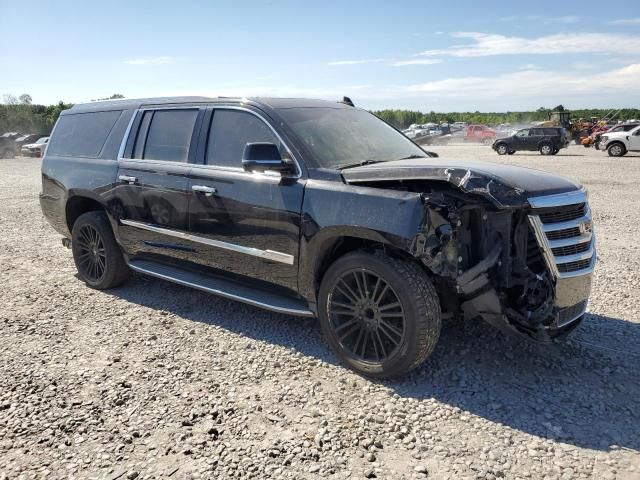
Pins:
<point x="531" y="83"/>
<point x="487" y="44"/>
<point x="420" y="61"/>
<point x="625" y="21"/>
<point x="149" y="61"/>
<point x="566" y="19"/>
<point x="356" y="62"/>
<point x="516" y="18"/>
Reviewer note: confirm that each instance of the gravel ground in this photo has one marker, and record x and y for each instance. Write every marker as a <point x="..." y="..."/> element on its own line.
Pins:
<point x="153" y="380"/>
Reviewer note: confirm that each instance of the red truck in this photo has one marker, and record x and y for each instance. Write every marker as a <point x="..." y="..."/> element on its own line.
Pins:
<point x="479" y="133"/>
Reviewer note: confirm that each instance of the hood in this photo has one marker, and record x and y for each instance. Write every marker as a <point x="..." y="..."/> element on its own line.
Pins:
<point x="504" y="185"/>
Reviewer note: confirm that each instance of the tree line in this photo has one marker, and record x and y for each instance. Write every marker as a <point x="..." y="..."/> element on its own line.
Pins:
<point x="403" y="118"/>
<point x="19" y="114"/>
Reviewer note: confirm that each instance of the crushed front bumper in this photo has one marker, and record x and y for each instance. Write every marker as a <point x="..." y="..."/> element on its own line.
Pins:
<point x="563" y="230"/>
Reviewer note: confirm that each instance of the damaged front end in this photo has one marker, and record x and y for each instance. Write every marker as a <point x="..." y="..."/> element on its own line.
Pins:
<point x="524" y="270"/>
<point x="510" y="245"/>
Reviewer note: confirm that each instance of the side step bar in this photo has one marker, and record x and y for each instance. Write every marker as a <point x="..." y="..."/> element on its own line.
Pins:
<point x="224" y="288"/>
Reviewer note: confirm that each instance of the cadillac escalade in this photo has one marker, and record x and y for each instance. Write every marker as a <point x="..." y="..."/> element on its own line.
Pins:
<point x="318" y="209"/>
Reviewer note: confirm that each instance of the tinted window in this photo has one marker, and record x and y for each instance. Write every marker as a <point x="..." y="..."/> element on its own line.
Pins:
<point x="82" y="134"/>
<point x="230" y="131"/>
<point x="169" y="135"/>
<point x="536" y="132"/>
<point x="341" y="136"/>
<point x="551" y="132"/>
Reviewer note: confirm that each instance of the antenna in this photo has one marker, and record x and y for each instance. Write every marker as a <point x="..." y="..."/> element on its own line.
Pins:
<point x="347" y="101"/>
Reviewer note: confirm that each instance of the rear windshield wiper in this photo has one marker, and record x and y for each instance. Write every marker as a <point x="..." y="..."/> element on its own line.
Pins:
<point x="359" y="164"/>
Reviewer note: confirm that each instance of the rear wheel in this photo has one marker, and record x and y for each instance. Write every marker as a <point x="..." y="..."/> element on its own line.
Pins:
<point x="96" y="254"/>
<point x="546" y="149"/>
<point x="380" y="315"/>
<point x="616" y="150"/>
<point x="502" y="149"/>
<point x="487" y="141"/>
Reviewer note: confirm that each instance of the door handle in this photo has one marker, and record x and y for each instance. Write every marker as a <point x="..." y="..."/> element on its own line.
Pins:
<point x="208" y="191"/>
<point x="128" y="179"/>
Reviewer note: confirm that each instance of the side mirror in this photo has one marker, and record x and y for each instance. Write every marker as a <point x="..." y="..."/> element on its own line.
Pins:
<point x="262" y="157"/>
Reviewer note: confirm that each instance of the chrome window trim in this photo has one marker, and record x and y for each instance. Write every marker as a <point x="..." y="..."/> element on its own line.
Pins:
<point x="141" y="110"/>
<point x="559" y="199"/>
<point x="264" y="120"/>
<point x="255" y="252"/>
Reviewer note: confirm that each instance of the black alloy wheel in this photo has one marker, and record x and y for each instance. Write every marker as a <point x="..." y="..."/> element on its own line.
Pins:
<point x="380" y="314"/>
<point x="91" y="255"/>
<point x="366" y="315"/>
<point x="96" y="253"/>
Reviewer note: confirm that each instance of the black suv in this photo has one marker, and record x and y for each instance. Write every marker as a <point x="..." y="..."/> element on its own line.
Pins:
<point x="318" y="209"/>
<point x="547" y="140"/>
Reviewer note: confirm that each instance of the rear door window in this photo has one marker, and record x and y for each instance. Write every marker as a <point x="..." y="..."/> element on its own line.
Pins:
<point x="230" y="131"/>
<point x="168" y="137"/>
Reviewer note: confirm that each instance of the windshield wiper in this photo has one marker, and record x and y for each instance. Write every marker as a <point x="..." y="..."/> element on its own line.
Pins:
<point x="413" y="156"/>
<point x="359" y="164"/>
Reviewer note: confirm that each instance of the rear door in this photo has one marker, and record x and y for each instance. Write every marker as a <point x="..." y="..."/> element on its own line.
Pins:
<point x="244" y="223"/>
<point x="151" y="195"/>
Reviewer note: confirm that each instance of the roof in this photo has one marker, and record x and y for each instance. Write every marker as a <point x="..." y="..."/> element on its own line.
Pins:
<point x="271" y="102"/>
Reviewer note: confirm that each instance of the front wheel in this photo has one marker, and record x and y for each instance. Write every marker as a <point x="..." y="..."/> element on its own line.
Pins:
<point x="502" y="149"/>
<point x="616" y="150"/>
<point x="380" y="315"/>
<point x="96" y="254"/>
<point x="487" y="141"/>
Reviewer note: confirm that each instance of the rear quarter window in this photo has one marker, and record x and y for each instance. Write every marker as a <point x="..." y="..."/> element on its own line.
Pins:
<point x="82" y="134"/>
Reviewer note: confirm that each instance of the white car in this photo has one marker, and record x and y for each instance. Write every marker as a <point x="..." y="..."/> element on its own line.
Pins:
<point x="618" y="144"/>
<point x="35" y="149"/>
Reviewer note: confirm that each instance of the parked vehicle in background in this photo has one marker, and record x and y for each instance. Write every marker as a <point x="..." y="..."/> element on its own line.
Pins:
<point x="8" y="147"/>
<point x="35" y="149"/>
<point x="596" y="137"/>
<point x="318" y="209"/>
<point x="479" y="133"/>
<point x="548" y="141"/>
<point x="26" y="139"/>
<point x="619" y="143"/>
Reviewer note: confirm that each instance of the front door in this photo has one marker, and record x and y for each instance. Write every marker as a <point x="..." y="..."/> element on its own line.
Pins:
<point x="152" y="191"/>
<point x="244" y="223"/>
<point x="634" y="140"/>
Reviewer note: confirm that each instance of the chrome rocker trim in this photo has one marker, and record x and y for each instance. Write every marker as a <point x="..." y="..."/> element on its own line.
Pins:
<point x="255" y="252"/>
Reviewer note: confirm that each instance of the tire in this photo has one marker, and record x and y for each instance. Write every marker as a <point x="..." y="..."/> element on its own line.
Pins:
<point x="616" y="149"/>
<point x="502" y="149"/>
<point x="8" y="153"/>
<point x="555" y="151"/>
<point x="356" y="291"/>
<point x="487" y="141"/>
<point x="97" y="256"/>
<point x="546" y="149"/>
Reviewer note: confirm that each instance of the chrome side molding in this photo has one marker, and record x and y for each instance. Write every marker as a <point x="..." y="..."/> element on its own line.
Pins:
<point x="255" y="252"/>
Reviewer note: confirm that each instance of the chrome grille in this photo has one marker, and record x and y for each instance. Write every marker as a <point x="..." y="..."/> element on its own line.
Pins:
<point x="562" y="226"/>
<point x="562" y="214"/>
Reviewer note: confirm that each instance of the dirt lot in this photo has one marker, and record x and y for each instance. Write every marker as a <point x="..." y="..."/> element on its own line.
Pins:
<point x="153" y="380"/>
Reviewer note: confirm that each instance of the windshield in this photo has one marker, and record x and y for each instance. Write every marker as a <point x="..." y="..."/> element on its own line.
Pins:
<point x="340" y="137"/>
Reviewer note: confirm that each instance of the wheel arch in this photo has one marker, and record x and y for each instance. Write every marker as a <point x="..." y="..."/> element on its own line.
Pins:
<point x="332" y="243"/>
<point x="79" y="203"/>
